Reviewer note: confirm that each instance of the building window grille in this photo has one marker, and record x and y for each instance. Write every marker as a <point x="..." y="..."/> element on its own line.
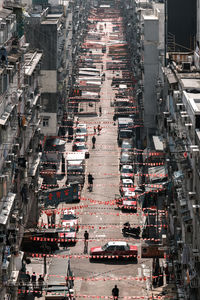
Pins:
<point x="45" y="122"/>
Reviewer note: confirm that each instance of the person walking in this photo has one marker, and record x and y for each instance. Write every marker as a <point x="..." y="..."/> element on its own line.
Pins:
<point x="114" y="119"/>
<point x="40" y="282"/>
<point x="27" y="279"/>
<point x="99" y="129"/>
<point x="115" y="292"/>
<point x="75" y="148"/>
<point x="95" y="130"/>
<point x="33" y="280"/>
<point x="93" y="142"/>
<point x="86" y="237"/>
<point x="100" y="111"/>
<point x="90" y="182"/>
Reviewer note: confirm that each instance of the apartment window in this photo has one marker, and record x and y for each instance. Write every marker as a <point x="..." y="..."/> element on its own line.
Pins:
<point x="45" y="122"/>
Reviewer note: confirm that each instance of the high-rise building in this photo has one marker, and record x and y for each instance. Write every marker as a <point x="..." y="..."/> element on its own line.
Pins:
<point x="181" y="24"/>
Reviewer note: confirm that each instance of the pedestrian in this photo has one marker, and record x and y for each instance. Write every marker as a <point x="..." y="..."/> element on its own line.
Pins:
<point x="100" y="111"/>
<point x="86" y="237"/>
<point x="115" y="292"/>
<point x="27" y="278"/>
<point x="75" y="148"/>
<point x="99" y="129"/>
<point x="95" y="130"/>
<point x="93" y="142"/>
<point x="167" y="274"/>
<point x="40" y="282"/>
<point x="90" y="181"/>
<point x="114" y="119"/>
<point x="20" y="287"/>
<point x="33" y="280"/>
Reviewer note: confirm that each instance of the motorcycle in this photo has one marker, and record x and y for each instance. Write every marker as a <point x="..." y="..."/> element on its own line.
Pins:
<point x="130" y="231"/>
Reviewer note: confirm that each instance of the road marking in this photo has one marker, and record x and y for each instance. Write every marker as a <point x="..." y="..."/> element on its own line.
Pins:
<point x="139" y="272"/>
<point x="100" y="235"/>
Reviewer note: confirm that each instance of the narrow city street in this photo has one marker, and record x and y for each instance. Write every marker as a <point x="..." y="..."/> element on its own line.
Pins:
<point x="101" y="218"/>
<point x="99" y="149"/>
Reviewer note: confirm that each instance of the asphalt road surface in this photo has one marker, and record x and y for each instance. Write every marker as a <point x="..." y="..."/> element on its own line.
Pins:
<point x="98" y="278"/>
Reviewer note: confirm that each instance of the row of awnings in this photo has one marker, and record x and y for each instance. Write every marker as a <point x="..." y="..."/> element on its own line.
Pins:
<point x="6" y="207"/>
<point x="4" y="117"/>
<point x="9" y="108"/>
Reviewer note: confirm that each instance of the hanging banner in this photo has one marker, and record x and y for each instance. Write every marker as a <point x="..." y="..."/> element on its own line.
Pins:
<point x="67" y="195"/>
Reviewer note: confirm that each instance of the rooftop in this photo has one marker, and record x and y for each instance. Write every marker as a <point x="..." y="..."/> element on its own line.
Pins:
<point x="4" y="13"/>
<point x="31" y="61"/>
<point x="194" y="99"/>
<point x="191" y="83"/>
<point x="51" y="21"/>
<point x="150" y="17"/>
<point x="6" y="206"/>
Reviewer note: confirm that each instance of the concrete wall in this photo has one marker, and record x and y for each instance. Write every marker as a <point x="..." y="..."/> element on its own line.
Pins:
<point x="151" y="62"/>
<point x="198" y="20"/>
<point x="52" y="129"/>
<point x="48" y="43"/>
<point x="160" y="11"/>
<point x="48" y="81"/>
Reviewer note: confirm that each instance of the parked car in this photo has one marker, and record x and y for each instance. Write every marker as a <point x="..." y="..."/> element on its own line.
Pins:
<point x="81" y="147"/>
<point x="81" y="129"/>
<point x="69" y="219"/>
<point x="126" y="159"/>
<point x="126" y="172"/>
<point x="124" y="134"/>
<point x="129" y="199"/>
<point x="67" y="235"/>
<point x="80" y="139"/>
<point x="117" y="249"/>
<point x="127" y="146"/>
<point x="124" y="184"/>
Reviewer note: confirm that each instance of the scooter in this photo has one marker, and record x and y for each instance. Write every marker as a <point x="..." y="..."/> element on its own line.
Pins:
<point x="130" y="231"/>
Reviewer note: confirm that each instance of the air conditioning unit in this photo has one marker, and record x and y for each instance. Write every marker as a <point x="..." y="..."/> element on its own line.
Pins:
<point x="11" y="156"/>
<point x="180" y="243"/>
<point x="15" y="147"/>
<point x="10" y="70"/>
<point x="2" y="238"/>
<point x="186" y="66"/>
<point x="196" y="255"/>
<point x="177" y="95"/>
<point x="28" y="103"/>
<point x="8" y="164"/>
<point x="164" y="239"/>
<point x="29" y="151"/>
<point x="2" y="25"/>
<point x="9" y="20"/>
<point x="189" y="228"/>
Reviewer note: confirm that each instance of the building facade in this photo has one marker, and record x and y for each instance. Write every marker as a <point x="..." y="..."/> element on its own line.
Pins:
<point x="20" y="147"/>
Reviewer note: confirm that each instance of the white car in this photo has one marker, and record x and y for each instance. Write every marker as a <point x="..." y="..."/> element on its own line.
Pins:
<point x="126" y="172"/>
<point x="69" y="219"/>
<point x="81" y="129"/>
<point x="80" y="139"/>
<point x="81" y="147"/>
<point x="124" y="184"/>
